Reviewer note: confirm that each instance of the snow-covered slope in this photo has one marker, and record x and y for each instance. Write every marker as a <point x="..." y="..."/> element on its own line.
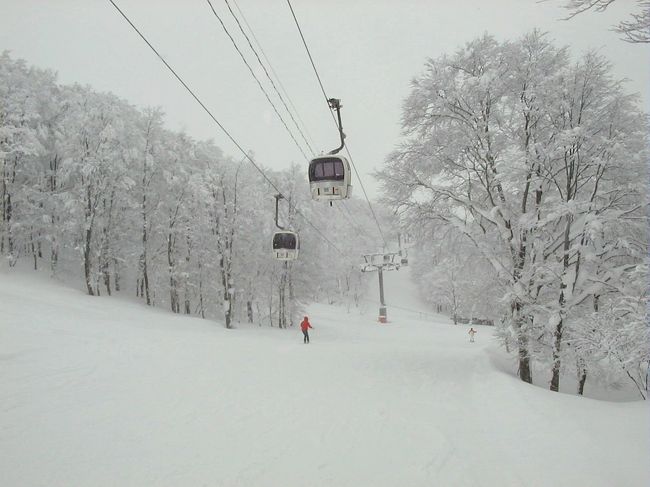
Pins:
<point x="105" y="392"/>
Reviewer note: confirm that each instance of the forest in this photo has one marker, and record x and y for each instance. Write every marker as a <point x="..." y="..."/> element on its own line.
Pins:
<point x="98" y="191"/>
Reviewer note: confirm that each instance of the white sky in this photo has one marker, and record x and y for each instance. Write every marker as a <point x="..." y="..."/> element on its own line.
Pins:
<point x="366" y="51"/>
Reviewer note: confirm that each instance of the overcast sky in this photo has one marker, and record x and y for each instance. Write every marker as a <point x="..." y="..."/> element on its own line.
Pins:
<point x="366" y="52"/>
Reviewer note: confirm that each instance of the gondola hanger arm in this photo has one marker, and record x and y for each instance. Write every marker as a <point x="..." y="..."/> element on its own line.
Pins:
<point x="278" y="197"/>
<point x="335" y="104"/>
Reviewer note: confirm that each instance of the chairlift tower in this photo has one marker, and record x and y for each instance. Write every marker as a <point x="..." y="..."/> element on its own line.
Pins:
<point x="380" y="263"/>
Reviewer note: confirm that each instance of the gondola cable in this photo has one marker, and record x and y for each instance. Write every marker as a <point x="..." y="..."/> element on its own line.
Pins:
<point x="347" y="214"/>
<point x="268" y="76"/>
<point x="313" y="64"/>
<point x="277" y="78"/>
<point x="250" y="69"/>
<point x="214" y="119"/>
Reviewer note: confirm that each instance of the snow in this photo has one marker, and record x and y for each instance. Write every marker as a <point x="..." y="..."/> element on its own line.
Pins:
<point x="105" y="392"/>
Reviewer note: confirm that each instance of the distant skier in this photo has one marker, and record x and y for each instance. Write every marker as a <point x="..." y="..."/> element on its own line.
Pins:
<point x="471" y="333"/>
<point x="305" y="326"/>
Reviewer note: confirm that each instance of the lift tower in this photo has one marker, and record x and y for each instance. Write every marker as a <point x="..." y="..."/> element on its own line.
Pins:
<point x="381" y="262"/>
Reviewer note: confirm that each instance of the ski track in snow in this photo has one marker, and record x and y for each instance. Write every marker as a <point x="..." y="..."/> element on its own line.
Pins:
<point x="105" y="392"/>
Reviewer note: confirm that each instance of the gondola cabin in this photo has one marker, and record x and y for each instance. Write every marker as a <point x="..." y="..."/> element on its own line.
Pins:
<point x="329" y="178"/>
<point x="286" y="245"/>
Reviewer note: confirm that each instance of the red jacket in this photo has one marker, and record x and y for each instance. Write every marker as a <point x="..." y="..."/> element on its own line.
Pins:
<point x="305" y="324"/>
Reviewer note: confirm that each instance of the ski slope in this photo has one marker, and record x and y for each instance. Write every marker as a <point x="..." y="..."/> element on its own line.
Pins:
<point x="107" y="392"/>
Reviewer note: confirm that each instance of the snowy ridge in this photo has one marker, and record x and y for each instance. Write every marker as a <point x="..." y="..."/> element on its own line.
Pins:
<point x="104" y="392"/>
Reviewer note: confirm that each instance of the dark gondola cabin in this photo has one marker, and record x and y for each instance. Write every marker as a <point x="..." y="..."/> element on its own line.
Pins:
<point x="329" y="178"/>
<point x="286" y="245"/>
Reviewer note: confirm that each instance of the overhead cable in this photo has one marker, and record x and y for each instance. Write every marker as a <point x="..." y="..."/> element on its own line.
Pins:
<point x="243" y="17"/>
<point x="269" y="76"/>
<point x="277" y="78"/>
<point x="313" y="65"/>
<point x="250" y="69"/>
<point x="214" y="119"/>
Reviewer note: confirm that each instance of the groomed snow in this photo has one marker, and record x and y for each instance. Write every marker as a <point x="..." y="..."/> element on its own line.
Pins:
<point x="107" y="392"/>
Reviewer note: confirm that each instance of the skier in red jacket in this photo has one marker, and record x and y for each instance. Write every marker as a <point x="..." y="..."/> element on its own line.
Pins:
<point x="305" y="326"/>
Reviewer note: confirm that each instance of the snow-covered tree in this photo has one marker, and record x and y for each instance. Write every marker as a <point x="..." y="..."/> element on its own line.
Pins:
<point x="530" y="157"/>
<point x="636" y="29"/>
<point x="91" y="183"/>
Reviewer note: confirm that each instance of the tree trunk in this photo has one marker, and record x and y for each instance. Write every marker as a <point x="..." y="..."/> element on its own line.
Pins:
<point x="144" y="289"/>
<point x="34" y="251"/>
<point x="582" y="377"/>
<point x="3" y="205"/>
<point x="143" y="256"/>
<point x="54" y="255"/>
<point x="116" y="270"/>
<point x="144" y="266"/>
<point x="87" y="262"/>
<point x="88" y="234"/>
<point x="525" y="372"/>
<point x="104" y="268"/>
<point x="107" y="278"/>
<point x="187" y="274"/>
<point x="105" y="258"/>
<point x="281" y="305"/>
<point x="292" y="298"/>
<point x="557" y="335"/>
<point x="282" y="293"/>
<point x="201" y="307"/>
<point x="173" y="284"/>
<point x="9" y="227"/>
<point x="228" y="294"/>
<point x="581" y="366"/>
<point x="555" y="370"/>
<point x="52" y="187"/>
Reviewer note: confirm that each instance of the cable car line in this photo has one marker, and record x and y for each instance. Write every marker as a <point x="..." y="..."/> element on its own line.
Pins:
<point x="352" y="219"/>
<point x="311" y="59"/>
<point x="277" y="78"/>
<point x="250" y="69"/>
<point x="353" y="224"/>
<point x="347" y="214"/>
<point x="381" y="233"/>
<point x="269" y="76"/>
<point x="223" y="129"/>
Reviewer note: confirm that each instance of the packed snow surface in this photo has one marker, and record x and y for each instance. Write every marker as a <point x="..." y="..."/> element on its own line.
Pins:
<point x="107" y="392"/>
